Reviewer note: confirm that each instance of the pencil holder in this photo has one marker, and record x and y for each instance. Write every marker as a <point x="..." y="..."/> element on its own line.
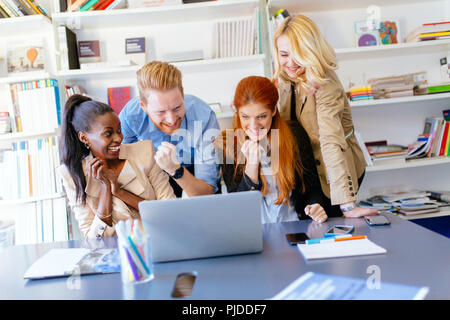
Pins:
<point x="134" y="256"/>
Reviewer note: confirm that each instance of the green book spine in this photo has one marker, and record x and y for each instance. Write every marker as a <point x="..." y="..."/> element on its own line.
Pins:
<point x="88" y="5"/>
<point x="438" y="89"/>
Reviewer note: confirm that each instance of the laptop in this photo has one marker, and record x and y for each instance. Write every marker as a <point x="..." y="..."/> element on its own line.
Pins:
<point x="204" y="226"/>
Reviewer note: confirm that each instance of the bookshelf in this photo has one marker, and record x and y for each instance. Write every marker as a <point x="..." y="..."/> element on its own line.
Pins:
<point x="403" y="101"/>
<point x="423" y="162"/>
<point x="21" y="136"/>
<point x="193" y="66"/>
<point x="5" y="203"/>
<point x="28" y="76"/>
<point x="26" y="23"/>
<point x="397" y="120"/>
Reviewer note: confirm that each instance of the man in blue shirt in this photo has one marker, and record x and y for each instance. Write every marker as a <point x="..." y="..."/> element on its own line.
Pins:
<point x="182" y="128"/>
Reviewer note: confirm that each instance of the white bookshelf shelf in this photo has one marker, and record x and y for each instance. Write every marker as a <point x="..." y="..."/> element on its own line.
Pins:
<point x="25" y="76"/>
<point x="410" y="164"/>
<point x="20" y="136"/>
<point x="157" y="15"/>
<point x="402" y="100"/>
<point x="24" y="25"/>
<point x="392" y="50"/>
<point x="295" y="6"/>
<point x="183" y="66"/>
<point x="31" y="199"/>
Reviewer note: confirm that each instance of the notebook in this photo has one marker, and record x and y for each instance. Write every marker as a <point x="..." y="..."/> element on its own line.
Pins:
<point x="348" y="248"/>
<point x="74" y="261"/>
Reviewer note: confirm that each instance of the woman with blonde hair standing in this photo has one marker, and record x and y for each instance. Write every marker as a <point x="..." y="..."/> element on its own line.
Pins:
<point x="312" y="95"/>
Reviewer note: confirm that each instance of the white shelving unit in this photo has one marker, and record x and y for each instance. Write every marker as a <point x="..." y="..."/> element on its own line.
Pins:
<point x="423" y="162"/>
<point x="195" y="66"/>
<point x="20" y="136"/>
<point x="34" y="22"/>
<point x="441" y="97"/>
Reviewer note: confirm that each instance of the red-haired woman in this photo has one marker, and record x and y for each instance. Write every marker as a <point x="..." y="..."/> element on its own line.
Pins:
<point x="262" y="152"/>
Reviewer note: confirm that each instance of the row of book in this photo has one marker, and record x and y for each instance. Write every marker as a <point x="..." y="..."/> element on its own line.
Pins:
<point x="29" y="169"/>
<point x="238" y="37"/>
<point x="36" y="106"/>
<point x="361" y="93"/>
<point x="434" y="141"/>
<point x="5" y="122"/>
<point x="397" y="86"/>
<point x="90" y="5"/>
<point x="430" y="31"/>
<point x="408" y="203"/>
<point x="20" y="8"/>
<point x="41" y="221"/>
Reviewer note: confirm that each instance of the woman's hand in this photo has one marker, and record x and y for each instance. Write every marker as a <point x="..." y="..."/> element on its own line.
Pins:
<point x="96" y="169"/>
<point x="360" y="212"/>
<point x="316" y="212"/>
<point x="252" y="153"/>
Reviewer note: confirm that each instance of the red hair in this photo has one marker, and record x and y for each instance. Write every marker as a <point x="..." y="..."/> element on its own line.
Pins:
<point x="260" y="90"/>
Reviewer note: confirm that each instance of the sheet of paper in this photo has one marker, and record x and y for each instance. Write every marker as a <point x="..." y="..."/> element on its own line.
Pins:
<point x="55" y="263"/>
<point x="317" y="286"/>
<point x="340" y="249"/>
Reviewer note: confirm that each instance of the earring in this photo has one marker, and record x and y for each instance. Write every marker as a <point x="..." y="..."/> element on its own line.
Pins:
<point x="86" y="145"/>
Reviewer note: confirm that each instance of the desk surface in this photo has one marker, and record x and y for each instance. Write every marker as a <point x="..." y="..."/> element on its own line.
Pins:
<point x="416" y="256"/>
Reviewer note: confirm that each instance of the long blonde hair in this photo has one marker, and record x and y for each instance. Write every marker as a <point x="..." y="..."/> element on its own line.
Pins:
<point x="309" y="49"/>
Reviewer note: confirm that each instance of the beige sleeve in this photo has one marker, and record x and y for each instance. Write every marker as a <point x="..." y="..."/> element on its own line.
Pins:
<point x="330" y="101"/>
<point x="90" y="225"/>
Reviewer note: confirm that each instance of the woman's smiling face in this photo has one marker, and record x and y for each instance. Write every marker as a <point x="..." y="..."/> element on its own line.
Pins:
<point x="104" y="137"/>
<point x="287" y="62"/>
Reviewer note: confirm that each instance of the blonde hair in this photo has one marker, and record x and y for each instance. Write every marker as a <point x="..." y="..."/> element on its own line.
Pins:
<point x="308" y="49"/>
<point x="158" y="75"/>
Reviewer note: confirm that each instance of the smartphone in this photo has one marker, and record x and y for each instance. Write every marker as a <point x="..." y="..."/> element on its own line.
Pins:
<point x="339" y="229"/>
<point x="295" y="238"/>
<point x="376" y="220"/>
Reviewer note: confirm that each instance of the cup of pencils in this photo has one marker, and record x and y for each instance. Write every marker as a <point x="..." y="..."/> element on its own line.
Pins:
<point x="133" y="248"/>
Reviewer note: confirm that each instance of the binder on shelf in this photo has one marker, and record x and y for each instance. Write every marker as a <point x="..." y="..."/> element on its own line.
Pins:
<point x="68" y="48"/>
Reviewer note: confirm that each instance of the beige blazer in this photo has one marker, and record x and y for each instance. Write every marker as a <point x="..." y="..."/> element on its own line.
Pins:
<point x="327" y="119"/>
<point x="140" y="175"/>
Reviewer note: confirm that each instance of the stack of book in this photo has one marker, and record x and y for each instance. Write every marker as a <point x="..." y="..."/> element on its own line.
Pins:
<point x="238" y="37"/>
<point x="383" y="153"/>
<point x="430" y="31"/>
<point x="435" y="139"/>
<point x="20" y="8"/>
<point x="397" y="86"/>
<point x="36" y="105"/>
<point x="5" y="122"/>
<point x="361" y="93"/>
<point x="406" y="202"/>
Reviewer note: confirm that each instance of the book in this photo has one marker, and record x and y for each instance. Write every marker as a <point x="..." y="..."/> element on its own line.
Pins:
<point x="394" y="160"/>
<point x="118" y="98"/>
<point x="440" y="195"/>
<point x="438" y="88"/>
<point x="402" y="195"/>
<point x="135" y="50"/>
<point x="389" y="32"/>
<point x="347" y="248"/>
<point x="74" y="261"/>
<point x="116" y="4"/>
<point x="68" y="49"/>
<point x="445" y="139"/>
<point x="416" y="212"/>
<point x="413" y="36"/>
<point x="89" y="51"/>
<point x="22" y="57"/>
<point x="88" y="5"/>
<point x="76" y="5"/>
<point x="318" y="286"/>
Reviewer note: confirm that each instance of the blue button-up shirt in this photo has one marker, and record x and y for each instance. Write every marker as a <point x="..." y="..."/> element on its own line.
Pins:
<point x="193" y="140"/>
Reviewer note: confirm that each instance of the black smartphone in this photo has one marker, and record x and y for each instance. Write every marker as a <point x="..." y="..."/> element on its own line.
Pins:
<point x="295" y="238"/>
<point x="377" y="220"/>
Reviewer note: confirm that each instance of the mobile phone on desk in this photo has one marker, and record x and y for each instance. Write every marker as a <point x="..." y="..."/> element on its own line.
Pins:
<point x="296" y="238"/>
<point x="377" y="220"/>
<point x="339" y="229"/>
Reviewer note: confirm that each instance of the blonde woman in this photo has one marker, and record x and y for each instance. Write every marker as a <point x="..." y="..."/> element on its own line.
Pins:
<point x="311" y="93"/>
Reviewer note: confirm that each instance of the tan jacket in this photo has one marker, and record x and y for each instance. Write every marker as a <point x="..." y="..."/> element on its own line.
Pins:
<point x="327" y="119"/>
<point x="140" y="175"/>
